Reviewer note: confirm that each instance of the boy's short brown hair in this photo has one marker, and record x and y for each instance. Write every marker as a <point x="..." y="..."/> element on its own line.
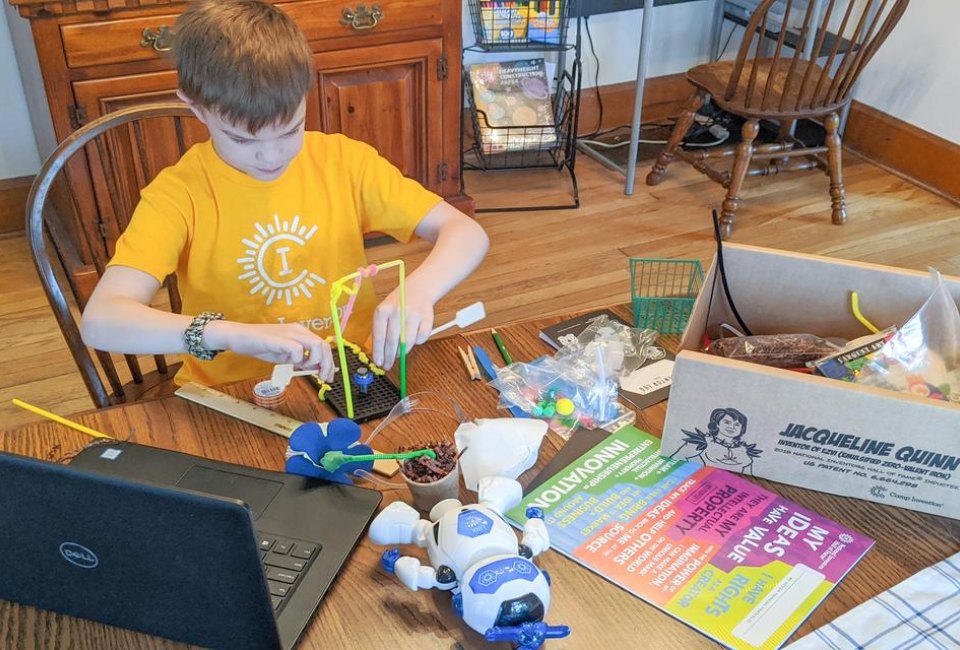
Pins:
<point x="245" y="59"/>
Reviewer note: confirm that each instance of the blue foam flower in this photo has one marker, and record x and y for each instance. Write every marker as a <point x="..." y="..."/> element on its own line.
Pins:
<point x="311" y="440"/>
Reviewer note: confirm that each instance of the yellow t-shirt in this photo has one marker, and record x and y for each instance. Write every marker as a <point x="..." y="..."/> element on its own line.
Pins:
<point x="267" y="251"/>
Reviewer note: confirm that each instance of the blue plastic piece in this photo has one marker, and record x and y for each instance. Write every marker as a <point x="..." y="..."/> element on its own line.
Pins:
<point x="389" y="559"/>
<point x="363" y="380"/>
<point x="490" y="370"/>
<point x="527" y="636"/>
<point x="458" y="604"/>
<point x="534" y="513"/>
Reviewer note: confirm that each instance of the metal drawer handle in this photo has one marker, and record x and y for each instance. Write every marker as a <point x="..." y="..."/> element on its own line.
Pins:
<point x="161" y="39"/>
<point x="362" y="18"/>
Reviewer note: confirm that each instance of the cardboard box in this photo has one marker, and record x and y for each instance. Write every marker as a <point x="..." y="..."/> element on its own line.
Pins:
<point x="822" y="434"/>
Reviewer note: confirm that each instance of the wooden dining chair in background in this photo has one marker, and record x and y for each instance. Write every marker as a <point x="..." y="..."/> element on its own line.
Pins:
<point x="809" y="74"/>
<point x="120" y="153"/>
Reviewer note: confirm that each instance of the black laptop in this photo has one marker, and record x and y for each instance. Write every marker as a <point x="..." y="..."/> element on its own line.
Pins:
<point x="191" y="549"/>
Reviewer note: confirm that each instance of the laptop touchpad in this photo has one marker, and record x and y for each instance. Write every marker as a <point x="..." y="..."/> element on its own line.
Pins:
<point x="255" y="492"/>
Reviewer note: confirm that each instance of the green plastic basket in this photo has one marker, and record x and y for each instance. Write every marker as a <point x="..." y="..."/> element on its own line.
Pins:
<point x="663" y="292"/>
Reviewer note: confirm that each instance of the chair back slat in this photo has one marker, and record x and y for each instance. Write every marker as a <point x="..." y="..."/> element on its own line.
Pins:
<point x="754" y="68"/>
<point x="108" y="155"/>
<point x="873" y="42"/>
<point x="824" y="79"/>
<point x="798" y="52"/>
<point x="857" y="40"/>
<point x="811" y="64"/>
<point x="769" y="87"/>
<point x="121" y="155"/>
<point x="821" y="36"/>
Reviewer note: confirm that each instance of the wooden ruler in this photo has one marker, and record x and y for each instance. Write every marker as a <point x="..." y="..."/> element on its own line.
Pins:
<point x="239" y="409"/>
<point x="258" y="416"/>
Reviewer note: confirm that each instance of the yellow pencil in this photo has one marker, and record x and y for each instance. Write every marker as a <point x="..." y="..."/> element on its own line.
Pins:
<point x="64" y="421"/>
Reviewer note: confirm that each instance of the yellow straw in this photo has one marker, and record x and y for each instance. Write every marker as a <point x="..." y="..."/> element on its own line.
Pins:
<point x="64" y="421"/>
<point x="855" y="307"/>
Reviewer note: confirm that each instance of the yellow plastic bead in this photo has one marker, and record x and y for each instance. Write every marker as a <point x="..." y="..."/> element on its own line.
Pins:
<point x="565" y="407"/>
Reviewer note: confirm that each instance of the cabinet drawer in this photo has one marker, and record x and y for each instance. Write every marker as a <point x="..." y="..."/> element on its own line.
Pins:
<point x="123" y="41"/>
<point x="115" y="41"/>
<point x="321" y="19"/>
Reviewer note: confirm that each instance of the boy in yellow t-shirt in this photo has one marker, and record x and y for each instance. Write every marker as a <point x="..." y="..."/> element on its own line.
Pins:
<point x="258" y="221"/>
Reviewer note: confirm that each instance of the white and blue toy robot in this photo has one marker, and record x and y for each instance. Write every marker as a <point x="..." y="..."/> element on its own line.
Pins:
<point x="473" y="552"/>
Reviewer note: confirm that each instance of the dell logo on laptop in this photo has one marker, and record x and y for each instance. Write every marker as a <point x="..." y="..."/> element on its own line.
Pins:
<point x="79" y="555"/>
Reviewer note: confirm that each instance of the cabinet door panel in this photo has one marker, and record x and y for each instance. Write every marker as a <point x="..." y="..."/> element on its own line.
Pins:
<point x="385" y="96"/>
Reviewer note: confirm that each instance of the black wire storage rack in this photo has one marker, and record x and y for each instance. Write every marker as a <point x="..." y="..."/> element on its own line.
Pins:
<point x="490" y="143"/>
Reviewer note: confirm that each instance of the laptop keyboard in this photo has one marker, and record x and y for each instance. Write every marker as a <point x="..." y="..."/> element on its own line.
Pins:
<point x="285" y="561"/>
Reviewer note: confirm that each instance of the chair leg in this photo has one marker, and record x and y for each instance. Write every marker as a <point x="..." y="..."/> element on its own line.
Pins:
<point x="741" y="163"/>
<point x="679" y="130"/>
<point x="838" y="202"/>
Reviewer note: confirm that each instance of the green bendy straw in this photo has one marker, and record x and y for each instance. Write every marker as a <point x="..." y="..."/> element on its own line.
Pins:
<point x="334" y="460"/>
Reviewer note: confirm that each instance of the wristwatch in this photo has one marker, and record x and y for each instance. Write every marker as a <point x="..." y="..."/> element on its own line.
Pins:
<point x="193" y="335"/>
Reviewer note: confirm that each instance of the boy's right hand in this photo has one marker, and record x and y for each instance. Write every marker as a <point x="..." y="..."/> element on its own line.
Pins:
<point x="274" y="343"/>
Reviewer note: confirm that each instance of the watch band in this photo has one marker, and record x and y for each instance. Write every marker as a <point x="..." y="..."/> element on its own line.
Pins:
<point x="193" y="335"/>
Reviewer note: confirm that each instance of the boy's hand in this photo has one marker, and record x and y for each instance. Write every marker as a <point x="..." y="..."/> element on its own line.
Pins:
<point x="275" y="343"/>
<point x="386" y="326"/>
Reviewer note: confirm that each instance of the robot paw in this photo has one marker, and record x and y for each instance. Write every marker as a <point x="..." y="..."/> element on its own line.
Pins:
<point x="389" y="559"/>
<point x="534" y="513"/>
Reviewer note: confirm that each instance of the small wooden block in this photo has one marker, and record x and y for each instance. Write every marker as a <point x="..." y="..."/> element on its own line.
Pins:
<point x="388" y="468"/>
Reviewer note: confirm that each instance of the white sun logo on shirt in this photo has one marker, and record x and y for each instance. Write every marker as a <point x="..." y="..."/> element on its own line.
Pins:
<point x="266" y="263"/>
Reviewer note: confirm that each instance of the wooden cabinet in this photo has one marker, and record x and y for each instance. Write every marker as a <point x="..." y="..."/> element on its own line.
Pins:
<point x="388" y="73"/>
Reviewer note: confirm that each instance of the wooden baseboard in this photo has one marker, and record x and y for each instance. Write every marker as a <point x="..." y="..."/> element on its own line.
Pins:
<point x="903" y="149"/>
<point x="13" y="203"/>
<point x="662" y="98"/>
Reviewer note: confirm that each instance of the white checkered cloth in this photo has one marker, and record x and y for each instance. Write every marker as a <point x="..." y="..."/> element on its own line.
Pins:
<point x="921" y="612"/>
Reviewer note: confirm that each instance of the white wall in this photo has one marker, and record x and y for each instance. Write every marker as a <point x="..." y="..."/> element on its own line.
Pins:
<point x="18" y="146"/>
<point x="916" y="84"/>
<point x="915" y="76"/>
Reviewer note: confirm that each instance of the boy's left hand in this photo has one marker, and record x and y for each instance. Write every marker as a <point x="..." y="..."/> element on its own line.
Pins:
<point x="386" y="326"/>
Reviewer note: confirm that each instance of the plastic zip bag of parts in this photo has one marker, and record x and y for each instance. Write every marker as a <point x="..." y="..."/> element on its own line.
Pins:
<point x="579" y="385"/>
<point x="923" y="357"/>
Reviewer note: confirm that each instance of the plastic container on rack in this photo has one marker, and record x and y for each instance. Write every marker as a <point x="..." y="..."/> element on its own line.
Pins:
<point x="663" y="292"/>
<point x="536" y="25"/>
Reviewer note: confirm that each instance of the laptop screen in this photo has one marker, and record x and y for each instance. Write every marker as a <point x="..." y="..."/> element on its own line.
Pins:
<point x="159" y="560"/>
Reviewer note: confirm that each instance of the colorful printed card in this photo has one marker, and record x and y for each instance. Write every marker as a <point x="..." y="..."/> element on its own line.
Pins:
<point x="729" y="558"/>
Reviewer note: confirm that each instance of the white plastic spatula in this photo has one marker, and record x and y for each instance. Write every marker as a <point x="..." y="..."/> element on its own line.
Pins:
<point x="465" y="317"/>
<point x="284" y="373"/>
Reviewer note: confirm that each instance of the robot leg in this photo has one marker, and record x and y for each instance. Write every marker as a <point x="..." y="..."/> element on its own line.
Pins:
<point x="398" y="523"/>
<point x="499" y="493"/>
<point x="415" y="576"/>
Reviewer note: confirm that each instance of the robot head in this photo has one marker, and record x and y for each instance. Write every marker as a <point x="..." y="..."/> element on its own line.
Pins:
<point x="503" y="591"/>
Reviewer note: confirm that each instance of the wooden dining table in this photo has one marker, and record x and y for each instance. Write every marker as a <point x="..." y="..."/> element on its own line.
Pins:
<point x="368" y="608"/>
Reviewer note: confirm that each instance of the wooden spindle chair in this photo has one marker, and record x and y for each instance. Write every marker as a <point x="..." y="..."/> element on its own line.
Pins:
<point x="784" y="87"/>
<point x="118" y="153"/>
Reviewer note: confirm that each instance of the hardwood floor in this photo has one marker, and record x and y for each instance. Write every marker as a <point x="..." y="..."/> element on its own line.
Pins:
<point x="548" y="262"/>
